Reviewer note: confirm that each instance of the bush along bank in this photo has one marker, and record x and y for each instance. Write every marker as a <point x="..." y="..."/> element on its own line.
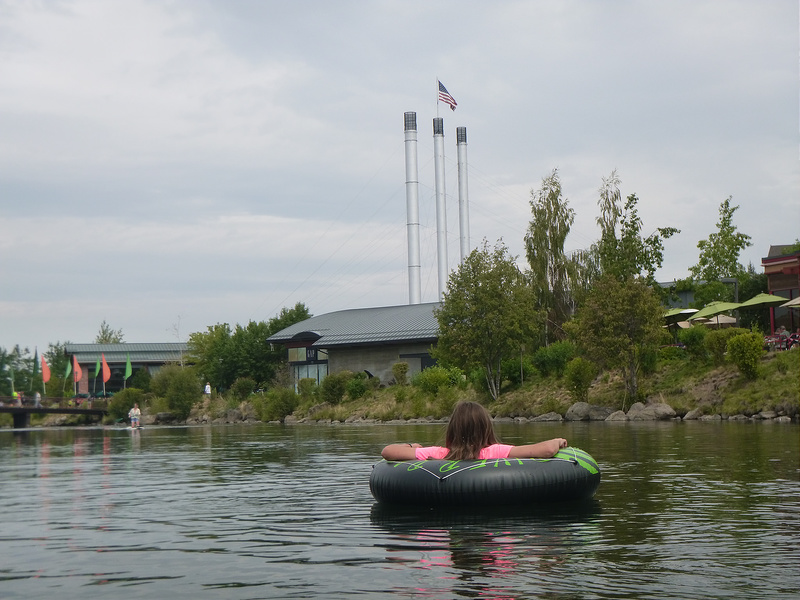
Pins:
<point x="677" y="388"/>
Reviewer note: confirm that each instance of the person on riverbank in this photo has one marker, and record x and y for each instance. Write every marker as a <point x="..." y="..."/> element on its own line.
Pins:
<point x="135" y="414"/>
<point x="469" y="436"/>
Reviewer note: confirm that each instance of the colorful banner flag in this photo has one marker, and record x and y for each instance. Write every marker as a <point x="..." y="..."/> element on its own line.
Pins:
<point x="77" y="372"/>
<point x="97" y="368"/>
<point x="128" y="369"/>
<point x="106" y="370"/>
<point x="45" y="370"/>
<point x="444" y="96"/>
<point x="68" y="371"/>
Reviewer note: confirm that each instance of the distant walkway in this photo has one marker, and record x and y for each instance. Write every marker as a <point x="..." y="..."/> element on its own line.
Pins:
<point x="65" y="406"/>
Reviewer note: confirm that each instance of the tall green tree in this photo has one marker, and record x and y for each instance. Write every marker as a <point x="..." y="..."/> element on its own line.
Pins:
<point x="617" y="324"/>
<point x="107" y="335"/>
<point x="719" y="254"/>
<point x="488" y="312"/>
<point x="623" y="252"/>
<point x="551" y="269"/>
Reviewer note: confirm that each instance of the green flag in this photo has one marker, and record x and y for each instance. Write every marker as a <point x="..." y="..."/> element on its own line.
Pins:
<point x="97" y="369"/>
<point x="69" y="370"/>
<point x="128" y="369"/>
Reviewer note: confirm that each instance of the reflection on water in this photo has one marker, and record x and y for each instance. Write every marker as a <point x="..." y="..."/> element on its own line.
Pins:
<point x="684" y="510"/>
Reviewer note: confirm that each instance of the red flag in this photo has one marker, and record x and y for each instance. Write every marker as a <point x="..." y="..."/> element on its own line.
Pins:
<point x="77" y="372"/>
<point x="45" y="371"/>
<point x="106" y="370"/>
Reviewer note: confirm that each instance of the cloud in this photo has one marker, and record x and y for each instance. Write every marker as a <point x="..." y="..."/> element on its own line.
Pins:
<point x="200" y="161"/>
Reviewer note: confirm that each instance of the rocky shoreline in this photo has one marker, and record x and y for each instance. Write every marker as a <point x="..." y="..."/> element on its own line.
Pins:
<point x="580" y="411"/>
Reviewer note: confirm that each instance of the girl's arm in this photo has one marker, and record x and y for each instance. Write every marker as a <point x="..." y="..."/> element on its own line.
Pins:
<point x="546" y="449"/>
<point x="400" y="451"/>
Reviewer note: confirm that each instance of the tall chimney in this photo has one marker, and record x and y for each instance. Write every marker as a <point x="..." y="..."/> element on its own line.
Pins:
<point x="412" y="209"/>
<point x="441" y="210"/>
<point x="463" y="193"/>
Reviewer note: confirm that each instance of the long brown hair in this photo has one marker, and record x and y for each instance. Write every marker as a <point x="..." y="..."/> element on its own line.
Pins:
<point x="469" y="431"/>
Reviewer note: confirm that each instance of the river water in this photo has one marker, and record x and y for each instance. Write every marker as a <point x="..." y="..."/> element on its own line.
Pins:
<point x="684" y="510"/>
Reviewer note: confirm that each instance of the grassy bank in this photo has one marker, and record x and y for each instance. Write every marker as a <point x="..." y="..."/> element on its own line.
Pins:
<point x="682" y="383"/>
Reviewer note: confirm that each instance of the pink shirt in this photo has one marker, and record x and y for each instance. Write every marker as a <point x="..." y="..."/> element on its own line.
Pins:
<point x="438" y="452"/>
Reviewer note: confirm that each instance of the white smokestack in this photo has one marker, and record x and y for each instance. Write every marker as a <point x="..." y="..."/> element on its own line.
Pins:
<point x="441" y="211"/>
<point x="412" y="208"/>
<point x="463" y="193"/>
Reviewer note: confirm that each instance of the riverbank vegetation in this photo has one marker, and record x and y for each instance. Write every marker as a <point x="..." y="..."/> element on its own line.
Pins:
<point x="585" y="326"/>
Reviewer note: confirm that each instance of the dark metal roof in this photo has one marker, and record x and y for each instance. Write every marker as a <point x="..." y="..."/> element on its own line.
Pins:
<point x="364" y="326"/>
<point x="118" y="353"/>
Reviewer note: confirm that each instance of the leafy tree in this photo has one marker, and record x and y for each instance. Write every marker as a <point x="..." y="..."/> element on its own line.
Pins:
<point x="16" y="373"/>
<point x="719" y="254"/>
<point x="487" y="313"/>
<point x="579" y="374"/>
<point x="618" y="325"/>
<point x="179" y="386"/>
<point x="213" y="356"/>
<point x="551" y="269"/>
<point x="627" y="254"/>
<point x="622" y="251"/>
<point x="221" y="355"/>
<point x="107" y="335"/>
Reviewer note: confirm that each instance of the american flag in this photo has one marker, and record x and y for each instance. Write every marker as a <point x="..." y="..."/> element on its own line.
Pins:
<point x="445" y="97"/>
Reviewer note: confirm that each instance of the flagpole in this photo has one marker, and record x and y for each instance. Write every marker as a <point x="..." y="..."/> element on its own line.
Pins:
<point x="437" y="96"/>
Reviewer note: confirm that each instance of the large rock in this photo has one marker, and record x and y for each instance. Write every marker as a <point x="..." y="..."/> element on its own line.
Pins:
<point x="617" y="415"/>
<point x="650" y="412"/>
<point x="578" y="412"/>
<point x="583" y="411"/>
<point x="693" y="414"/>
<point x="551" y="416"/>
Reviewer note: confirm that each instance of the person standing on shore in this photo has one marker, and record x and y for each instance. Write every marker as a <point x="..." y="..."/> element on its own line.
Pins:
<point x="134" y="414"/>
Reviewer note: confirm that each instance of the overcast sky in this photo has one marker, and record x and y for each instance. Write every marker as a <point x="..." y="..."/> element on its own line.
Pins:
<point x="169" y="165"/>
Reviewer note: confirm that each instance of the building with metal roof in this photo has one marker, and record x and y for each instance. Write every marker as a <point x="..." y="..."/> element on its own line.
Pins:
<point x="142" y="356"/>
<point x="361" y="339"/>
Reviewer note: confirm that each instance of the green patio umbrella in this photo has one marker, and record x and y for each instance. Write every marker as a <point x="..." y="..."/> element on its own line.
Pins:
<point x="763" y="300"/>
<point x="714" y="308"/>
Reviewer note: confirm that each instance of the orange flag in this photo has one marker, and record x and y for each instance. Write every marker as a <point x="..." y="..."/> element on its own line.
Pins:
<point x="77" y="372"/>
<point x="106" y="370"/>
<point x="45" y="371"/>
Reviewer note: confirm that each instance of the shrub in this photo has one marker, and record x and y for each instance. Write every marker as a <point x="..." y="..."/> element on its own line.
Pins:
<point x="243" y="387"/>
<point x="579" y="374"/>
<point x="400" y="372"/>
<point x="276" y="404"/>
<point x="553" y="359"/>
<point x="123" y="401"/>
<point x="717" y="342"/>
<point x="334" y="387"/>
<point x="693" y="339"/>
<point x="518" y="370"/>
<point x="433" y="379"/>
<point x="745" y="351"/>
<point x="307" y="388"/>
<point x="670" y="353"/>
<point x="179" y="386"/>
<point x="357" y="387"/>
<point x="140" y="380"/>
